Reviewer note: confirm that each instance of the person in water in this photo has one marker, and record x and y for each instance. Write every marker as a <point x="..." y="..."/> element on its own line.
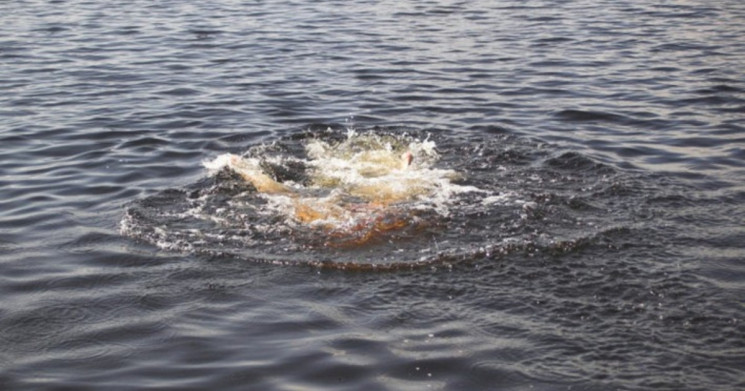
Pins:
<point x="353" y="211"/>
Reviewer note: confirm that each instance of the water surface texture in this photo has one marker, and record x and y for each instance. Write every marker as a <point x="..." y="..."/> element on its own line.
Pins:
<point x="600" y="245"/>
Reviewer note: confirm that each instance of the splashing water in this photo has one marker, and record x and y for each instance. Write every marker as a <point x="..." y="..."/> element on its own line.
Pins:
<point x="374" y="199"/>
<point x="352" y="192"/>
<point x="363" y="189"/>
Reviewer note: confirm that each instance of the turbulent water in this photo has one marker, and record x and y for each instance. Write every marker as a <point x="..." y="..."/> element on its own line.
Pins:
<point x="571" y="216"/>
<point x="482" y="200"/>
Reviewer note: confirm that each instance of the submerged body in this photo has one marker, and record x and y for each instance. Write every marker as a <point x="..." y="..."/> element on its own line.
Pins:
<point x="356" y="190"/>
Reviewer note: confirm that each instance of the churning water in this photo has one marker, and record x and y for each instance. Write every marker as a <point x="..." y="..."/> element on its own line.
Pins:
<point x="482" y="195"/>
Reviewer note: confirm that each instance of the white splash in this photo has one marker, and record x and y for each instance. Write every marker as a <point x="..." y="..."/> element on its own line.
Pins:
<point x="364" y="185"/>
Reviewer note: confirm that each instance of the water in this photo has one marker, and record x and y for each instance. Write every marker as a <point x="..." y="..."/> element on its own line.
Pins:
<point x="607" y="255"/>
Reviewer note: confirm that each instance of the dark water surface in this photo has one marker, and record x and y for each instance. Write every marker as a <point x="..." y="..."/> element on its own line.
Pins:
<point x="611" y="135"/>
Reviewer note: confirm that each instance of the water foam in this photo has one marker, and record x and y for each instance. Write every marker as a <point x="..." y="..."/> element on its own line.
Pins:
<point x="356" y="189"/>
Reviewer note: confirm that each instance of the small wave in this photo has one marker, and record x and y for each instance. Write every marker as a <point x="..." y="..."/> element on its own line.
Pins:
<point x="586" y="116"/>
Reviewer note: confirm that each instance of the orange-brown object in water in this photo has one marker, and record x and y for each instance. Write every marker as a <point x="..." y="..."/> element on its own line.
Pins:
<point x="365" y="231"/>
<point x="346" y="223"/>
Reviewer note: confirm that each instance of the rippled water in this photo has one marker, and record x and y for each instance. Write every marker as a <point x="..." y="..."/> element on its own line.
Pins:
<point x="610" y="135"/>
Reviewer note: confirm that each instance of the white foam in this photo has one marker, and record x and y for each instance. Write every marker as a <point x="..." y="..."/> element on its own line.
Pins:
<point x="218" y="163"/>
<point x="349" y="180"/>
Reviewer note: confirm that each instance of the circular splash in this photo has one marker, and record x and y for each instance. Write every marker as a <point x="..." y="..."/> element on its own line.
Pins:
<point x="364" y="189"/>
<point x="383" y="199"/>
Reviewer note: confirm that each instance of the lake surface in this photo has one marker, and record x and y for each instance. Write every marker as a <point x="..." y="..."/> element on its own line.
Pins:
<point x="606" y="251"/>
